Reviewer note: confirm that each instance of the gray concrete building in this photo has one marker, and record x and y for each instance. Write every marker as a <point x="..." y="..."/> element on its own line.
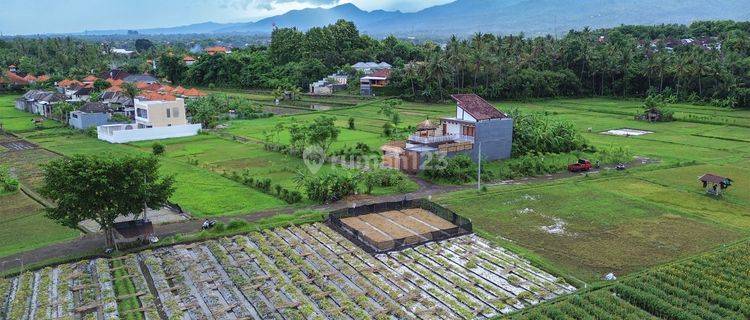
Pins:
<point x="478" y="129"/>
<point x="91" y="114"/>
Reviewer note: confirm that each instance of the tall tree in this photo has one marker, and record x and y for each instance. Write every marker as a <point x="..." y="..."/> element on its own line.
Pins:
<point x="102" y="188"/>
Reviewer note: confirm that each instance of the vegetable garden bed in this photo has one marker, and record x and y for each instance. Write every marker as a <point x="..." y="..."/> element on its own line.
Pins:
<point x="300" y="272"/>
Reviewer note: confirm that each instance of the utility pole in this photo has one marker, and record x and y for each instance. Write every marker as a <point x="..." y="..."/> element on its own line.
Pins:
<point x="479" y="169"/>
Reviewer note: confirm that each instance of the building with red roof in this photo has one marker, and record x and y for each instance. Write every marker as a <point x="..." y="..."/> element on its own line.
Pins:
<point x="217" y="49"/>
<point x="478" y="129"/>
<point x="188" y="60"/>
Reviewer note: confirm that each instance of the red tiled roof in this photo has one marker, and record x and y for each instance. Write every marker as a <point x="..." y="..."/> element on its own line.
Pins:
<point x="477" y="107"/>
<point x="166" y="88"/>
<point x="193" y="92"/>
<point x="178" y="90"/>
<point x="90" y="78"/>
<point x="141" y="85"/>
<point x="188" y="58"/>
<point x="29" y="77"/>
<point x="115" y="82"/>
<point x="65" y="83"/>
<point x="114" y="89"/>
<point x="383" y="73"/>
<point x="216" y="49"/>
<point x="155" y="96"/>
<point x="15" y="79"/>
<point x="42" y="78"/>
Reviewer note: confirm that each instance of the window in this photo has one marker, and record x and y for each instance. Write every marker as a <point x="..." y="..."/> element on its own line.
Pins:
<point x="141" y="113"/>
<point x="168" y="113"/>
<point x="176" y="112"/>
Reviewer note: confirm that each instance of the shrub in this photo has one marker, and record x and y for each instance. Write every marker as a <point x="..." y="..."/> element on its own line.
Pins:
<point x="157" y="148"/>
<point x="539" y="133"/>
<point x="236" y="224"/>
<point x="351" y="123"/>
<point x="458" y="169"/>
<point x="7" y="182"/>
<point x="383" y="178"/>
<point x="329" y="186"/>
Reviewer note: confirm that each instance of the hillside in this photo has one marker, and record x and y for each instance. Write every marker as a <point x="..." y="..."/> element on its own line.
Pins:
<point x="464" y="17"/>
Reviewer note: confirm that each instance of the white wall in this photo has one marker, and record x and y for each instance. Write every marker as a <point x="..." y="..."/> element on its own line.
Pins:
<point x="123" y="136"/>
<point x="452" y="128"/>
<point x="461" y="114"/>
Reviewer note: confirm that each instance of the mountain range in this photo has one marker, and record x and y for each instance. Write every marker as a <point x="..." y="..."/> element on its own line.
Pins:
<point x="464" y="17"/>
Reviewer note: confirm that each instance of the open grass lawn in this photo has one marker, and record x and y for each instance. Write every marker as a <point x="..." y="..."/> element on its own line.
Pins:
<point x="219" y="155"/>
<point x="12" y="119"/>
<point x="23" y="226"/>
<point x="368" y="123"/>
<point x="198" y="190"/>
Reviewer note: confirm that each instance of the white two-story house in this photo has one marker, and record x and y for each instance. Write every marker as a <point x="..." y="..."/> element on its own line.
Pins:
<point x="154" y="119"/>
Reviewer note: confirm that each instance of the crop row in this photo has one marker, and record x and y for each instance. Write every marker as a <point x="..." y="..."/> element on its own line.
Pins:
<point x="712" y="286"/>
<point x="300" y="272"/>
<point x="83" y="290"/>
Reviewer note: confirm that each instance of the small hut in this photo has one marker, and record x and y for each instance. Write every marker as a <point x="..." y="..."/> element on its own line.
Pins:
<point x="426" y="129"/>
<point x="715" y="184"/>
<point x="133" y="231"/>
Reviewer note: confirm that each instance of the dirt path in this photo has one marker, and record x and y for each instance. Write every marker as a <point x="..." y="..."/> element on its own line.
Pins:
<point x="93" y="243"/>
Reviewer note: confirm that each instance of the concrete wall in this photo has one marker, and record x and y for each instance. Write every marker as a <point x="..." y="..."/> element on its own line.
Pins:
<point x="123" y="136"/>
<point x="496" y="137"/>
<point x="82" y="120"/>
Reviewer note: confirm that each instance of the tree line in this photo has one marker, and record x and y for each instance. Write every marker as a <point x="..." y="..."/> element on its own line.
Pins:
<point x="622" y="61"/>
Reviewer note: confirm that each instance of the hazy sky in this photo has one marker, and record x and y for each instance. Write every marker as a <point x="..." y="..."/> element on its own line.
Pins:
<point x="61" y="16"/>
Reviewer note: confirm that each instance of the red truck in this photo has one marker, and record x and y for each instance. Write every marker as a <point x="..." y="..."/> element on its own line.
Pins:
<point x="581" y="165"/>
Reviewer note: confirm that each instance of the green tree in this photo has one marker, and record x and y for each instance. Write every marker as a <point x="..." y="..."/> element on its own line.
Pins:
<point x="172" y="67"/>
<point x="130" y="90"/>
<point x="102" y="188"/>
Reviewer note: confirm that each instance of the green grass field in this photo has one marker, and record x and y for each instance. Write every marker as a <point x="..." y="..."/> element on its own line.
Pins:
<point x="625" y="222"/>
<point x="710" y="286"/>
<point x="23" y="225"/>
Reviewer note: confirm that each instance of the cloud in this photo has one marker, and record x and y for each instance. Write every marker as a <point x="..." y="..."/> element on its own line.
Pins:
<point x="270" y="5"/>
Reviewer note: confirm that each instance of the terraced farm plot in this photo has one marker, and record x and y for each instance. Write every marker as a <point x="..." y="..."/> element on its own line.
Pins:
<point x="299" y="272"/>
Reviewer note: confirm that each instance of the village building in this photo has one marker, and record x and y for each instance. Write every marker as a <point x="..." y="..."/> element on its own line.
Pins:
<point x="39" y="102"/>
<point x="329" y="84"/>
<point x="89" y="80"/>
<point x="154" y="119"/>
<point x="217" y="49"/>
<point x="135" y="78"/>
<point x="11" y="81"/>
<point x="82" y="94"/>
<point x="123" y="52"/>
<point x="114" y="74"/>
<point x="118" y="103"/>
<point x="370" y="67"/>
<point x="377" y="79"/>
<point x="189" y="60"/>
<point x="91" y="114"/>
<point x="478" y="129"/>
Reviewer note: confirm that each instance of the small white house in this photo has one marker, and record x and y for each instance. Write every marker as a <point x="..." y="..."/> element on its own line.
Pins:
<point x="153" y="120"/>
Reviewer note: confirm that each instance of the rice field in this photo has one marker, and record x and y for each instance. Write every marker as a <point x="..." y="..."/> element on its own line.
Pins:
<point x="297" y="272"/>
<point x="710" y="286"/>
